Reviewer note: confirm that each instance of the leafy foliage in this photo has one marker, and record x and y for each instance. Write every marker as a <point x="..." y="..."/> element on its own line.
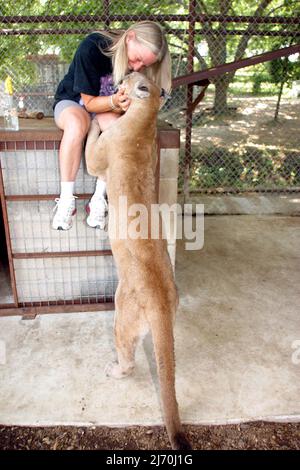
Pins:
<point x="284" y="69"/>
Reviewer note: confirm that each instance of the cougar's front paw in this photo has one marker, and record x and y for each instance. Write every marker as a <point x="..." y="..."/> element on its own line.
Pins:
<point x="113" y="369"/>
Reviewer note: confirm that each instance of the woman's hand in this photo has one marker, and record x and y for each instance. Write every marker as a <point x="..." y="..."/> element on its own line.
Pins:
<point x="121" y="100"/>
<point x="117" y="103"/>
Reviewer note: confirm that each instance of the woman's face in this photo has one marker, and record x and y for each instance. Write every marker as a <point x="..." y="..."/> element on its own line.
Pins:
<point x="139" y="55"/>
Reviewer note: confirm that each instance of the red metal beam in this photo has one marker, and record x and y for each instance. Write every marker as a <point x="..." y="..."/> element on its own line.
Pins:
<point x="41" y="197"/>
<point x="191" y="78"/>
<point x="62" y="254"/>
<point x="200" y="96"/>
<point x="8" y="241"/>
<point x="200" y="18"/>
<point x="230" y="32"/>
<point x="42" y="308"/>
<point x="189" y="101"/>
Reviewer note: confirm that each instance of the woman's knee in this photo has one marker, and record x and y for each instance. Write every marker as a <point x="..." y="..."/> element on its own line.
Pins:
<point x="75" y="122"/>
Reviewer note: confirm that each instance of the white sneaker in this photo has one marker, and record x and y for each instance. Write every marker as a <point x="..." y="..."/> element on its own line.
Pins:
<point x="96" y="209"/>
<point x="64" y="211"/>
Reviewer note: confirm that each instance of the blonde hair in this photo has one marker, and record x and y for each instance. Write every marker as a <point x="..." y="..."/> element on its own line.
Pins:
<point x="151" y="35"/>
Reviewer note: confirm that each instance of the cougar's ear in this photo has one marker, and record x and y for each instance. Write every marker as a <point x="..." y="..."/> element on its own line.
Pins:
<point x="142" y="91"/>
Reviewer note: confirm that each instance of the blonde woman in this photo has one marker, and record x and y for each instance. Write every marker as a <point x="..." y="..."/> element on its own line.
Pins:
<point x="100" y="63"/>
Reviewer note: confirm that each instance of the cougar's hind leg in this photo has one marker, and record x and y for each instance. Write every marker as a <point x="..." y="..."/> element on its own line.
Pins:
<point x="127" y="331"/>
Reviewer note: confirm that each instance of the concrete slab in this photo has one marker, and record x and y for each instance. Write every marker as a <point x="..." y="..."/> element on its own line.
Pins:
<point x="239" y="320"/>
<point x="236" y="341"/>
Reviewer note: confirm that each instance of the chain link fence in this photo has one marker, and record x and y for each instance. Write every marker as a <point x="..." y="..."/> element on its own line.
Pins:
<point x="242" y="136"/>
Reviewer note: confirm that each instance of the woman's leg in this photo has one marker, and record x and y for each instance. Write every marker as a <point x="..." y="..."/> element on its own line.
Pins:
<point x="75" y="122"/>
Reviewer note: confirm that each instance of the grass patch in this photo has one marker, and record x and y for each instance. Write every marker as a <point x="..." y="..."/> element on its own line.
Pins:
<point x="246" y="168"/>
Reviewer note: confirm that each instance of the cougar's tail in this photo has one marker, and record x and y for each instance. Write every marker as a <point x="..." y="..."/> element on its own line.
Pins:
<point x="163" y="342"/>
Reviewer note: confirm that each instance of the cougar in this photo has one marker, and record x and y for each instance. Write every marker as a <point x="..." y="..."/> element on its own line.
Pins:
<point x="146" y="296"/>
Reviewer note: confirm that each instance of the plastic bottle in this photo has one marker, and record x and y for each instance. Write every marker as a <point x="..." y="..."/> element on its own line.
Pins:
<point x="10" y="115"/>
<point x="21" y="105"/>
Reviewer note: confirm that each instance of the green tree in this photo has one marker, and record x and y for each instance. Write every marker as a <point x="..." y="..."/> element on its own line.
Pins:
<point x="223" y="48"/>
<point x="283" y="71"/>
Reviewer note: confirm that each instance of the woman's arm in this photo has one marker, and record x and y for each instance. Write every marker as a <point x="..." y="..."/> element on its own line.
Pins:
<point x="118" y="103"/>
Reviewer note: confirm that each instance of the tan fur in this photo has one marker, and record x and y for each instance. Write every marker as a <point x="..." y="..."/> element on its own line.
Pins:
<point x="146" y="296"/>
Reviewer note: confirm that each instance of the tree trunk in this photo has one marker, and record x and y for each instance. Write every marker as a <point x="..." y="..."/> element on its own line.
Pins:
<point x="221" y="91"/>
<point x="278" y="100"/>
<point x="283" y="80"/>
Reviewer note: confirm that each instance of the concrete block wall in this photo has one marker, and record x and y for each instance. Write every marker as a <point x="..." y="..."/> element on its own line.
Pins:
<point x="168" y="188"/>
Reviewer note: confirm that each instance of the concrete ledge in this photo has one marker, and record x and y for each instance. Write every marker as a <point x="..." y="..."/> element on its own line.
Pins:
<point x="33" y="130"/>
<point x="248" y="203"/>
<point x="168" y="191"/>
<point x="169" y="163"/>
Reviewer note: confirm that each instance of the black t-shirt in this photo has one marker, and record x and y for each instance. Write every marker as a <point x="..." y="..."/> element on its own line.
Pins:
<point x="89" y="73"/>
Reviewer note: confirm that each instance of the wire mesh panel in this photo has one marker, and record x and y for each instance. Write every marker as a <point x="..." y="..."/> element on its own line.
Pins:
<point x="34" y="170"/>
<point x="65" y="280"/>
<point x="244" y="148"/>
<point x="241" y="137"/>
<point x="31" y="232"/>
<point x="239" y="130"/>
<point x="51" y="267"/>
<point x="244" y="133"/>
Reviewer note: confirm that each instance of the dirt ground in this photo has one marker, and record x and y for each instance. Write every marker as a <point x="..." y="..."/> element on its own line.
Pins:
<point x="244" y="148"/>
<point x="248" y="436"/>
<point x="252" y="123"/>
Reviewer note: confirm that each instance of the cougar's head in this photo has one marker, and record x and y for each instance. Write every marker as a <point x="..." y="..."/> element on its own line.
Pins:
<point x="138" y="87"/>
